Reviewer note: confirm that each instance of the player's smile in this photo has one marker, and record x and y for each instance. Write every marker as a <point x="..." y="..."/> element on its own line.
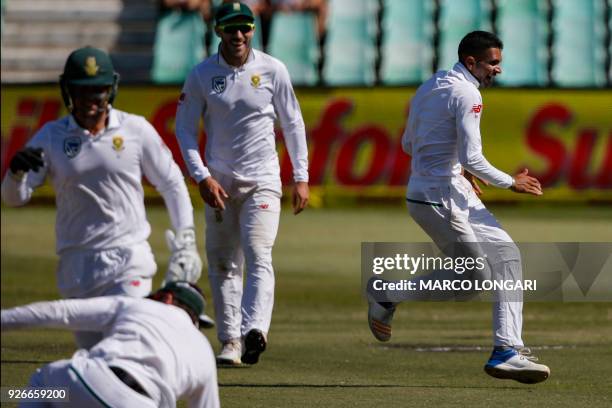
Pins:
<point x="238" y="43"/>
<point x="488" y="67"/>
<point x="236" y="38"/>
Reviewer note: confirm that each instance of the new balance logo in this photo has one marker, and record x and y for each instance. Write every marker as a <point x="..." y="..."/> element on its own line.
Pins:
<point x="476" y="108"/>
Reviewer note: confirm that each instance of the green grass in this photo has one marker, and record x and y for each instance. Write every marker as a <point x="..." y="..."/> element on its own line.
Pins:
<point x="320" y="350"/>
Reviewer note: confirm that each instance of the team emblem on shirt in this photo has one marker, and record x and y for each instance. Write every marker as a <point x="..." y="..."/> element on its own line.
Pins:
<point x="255" y="81"/>
<point x="72" y="146"/>
<point x="218" y="84"/>
<point x="118" y="143"/>
<point x="91" y="66"/>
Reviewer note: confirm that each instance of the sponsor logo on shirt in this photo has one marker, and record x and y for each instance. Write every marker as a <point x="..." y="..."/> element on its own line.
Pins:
<point x="218" y="84"/>
<point x="264" y="206"/>
<point x="118" y="143"/>
<point x="255" y="81"/>
<point x="476" y="108"/>
<point x="72" y="146"/>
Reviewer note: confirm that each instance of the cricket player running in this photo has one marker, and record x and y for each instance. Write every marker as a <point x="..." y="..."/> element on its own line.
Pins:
<point x="96" y="157"/>
<point x="151" y="354"/>
<point x="239" y="92"/>
<point x="443" y="137"/>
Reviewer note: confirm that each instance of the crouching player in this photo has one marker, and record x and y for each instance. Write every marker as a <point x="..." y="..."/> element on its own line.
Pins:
<point x="151" y="353"/>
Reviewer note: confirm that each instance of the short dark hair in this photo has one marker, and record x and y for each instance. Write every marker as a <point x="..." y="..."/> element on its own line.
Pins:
<point x="477" y="42"/>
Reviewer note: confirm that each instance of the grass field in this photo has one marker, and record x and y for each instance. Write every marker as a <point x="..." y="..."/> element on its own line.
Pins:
<point x="321" y="352"/>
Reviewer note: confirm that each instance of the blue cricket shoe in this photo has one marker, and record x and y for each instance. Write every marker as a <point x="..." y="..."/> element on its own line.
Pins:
<point x="517" y="364"/>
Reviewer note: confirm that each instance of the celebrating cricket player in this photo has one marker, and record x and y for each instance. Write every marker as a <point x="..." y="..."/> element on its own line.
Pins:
<point x="151" y="354"/>
<point x="443" y="137"/>
<point x="96" y="157"/>
<point x="239" y="92"/>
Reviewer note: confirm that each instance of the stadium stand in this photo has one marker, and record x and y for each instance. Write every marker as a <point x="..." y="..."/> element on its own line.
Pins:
<point x="578" y="49"/>
<point x="457" y="18"/>
<point x="406" y="51"/>
<point x="179" y="45"/>
<point x="38" y="35"/>
<point x="525" y="49"/>
<point x="2" y="9"/>
<point x="294" y="40"/>
<point x="562" y="43"/>
<point x="350" y="49"/>
<point x="609" y="38"/>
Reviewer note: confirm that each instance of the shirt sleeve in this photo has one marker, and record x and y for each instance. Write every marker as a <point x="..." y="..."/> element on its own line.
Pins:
<point x="93" y="314"/>
<point x="468" y="109"/>
<point x="191" y="108"/>
<point x="17" y="189"/>
<point x="408" y="136"/>
<point x="290" y="116"/>
<point x="162" y="171"/>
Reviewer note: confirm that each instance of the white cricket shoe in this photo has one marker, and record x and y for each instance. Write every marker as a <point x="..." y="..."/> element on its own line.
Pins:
<point x="516" y="364"/>
<point x="230" y="353"/>
<point x="379" y="319"/>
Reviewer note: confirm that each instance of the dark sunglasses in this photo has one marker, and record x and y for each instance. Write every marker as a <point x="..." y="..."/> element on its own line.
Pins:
<point x="233" y="28"/>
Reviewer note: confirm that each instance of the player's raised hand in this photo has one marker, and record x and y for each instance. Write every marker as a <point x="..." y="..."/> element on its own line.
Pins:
<point x="526" y="184"/>
<point x="30" y="158"/>
<point x="299" y="198"/>
<point x="212" y="193"/>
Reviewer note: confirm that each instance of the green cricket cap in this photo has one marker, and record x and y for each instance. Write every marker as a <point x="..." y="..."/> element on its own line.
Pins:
<point x="228" y="11"/>
<point x="188" y="294"/>
<point x="89" y="66"/>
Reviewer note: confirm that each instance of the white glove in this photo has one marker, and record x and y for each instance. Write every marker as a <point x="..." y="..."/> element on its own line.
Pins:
<point x="185" y="263"/>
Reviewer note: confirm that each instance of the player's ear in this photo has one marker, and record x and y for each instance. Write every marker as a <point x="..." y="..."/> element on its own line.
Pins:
<point x="218" y="32"/>
<point x="168" y="298"/>
<point x="470" y="62"/>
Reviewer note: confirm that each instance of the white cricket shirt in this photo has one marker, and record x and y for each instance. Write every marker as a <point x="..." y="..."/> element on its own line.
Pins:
<point x="239" y="106"/>
<point x="98" y="181"/>
<point x="156" y="343"/>
<point x="443" y="129"/>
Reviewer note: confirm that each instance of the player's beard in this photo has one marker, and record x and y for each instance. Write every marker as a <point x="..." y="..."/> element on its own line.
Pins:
<point x="237" y="51"/>
<point x="487" y="81"/>
<point x="90" y="114"/>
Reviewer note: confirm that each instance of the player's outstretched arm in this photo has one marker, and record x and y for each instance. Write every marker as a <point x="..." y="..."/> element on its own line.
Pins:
<point x="523" y="183"/>
<point x="93" y="314"/>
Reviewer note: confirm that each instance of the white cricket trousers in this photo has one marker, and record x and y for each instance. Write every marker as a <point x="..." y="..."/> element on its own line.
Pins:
<point x="456" y="215"/>
<point x="126" y="271"/>
<point x="90" y="383"/>
<point x="242" y="235"/>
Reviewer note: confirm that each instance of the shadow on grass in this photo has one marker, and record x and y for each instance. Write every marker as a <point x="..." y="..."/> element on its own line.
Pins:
<point x="302" y="385"/>
<point x="362" y="386"/>
<point x="25" y="362"/>
<point x="451" y="348"/>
